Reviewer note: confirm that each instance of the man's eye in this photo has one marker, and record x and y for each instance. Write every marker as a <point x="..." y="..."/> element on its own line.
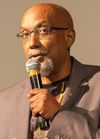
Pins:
<point x="44" y="30"/>
<point x="25" y="34"/>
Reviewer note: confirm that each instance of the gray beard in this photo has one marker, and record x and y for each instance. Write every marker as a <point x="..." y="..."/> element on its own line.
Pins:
<point x="47" y="66"/>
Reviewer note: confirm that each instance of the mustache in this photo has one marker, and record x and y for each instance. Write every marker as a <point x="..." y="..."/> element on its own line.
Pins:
<point x="36" y="52"/>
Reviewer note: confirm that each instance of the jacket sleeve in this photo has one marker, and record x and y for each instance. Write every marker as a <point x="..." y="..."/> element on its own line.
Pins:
<point x="71" y="125"/>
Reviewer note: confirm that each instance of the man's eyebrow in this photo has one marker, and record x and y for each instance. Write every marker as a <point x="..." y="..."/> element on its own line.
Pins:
<point x="41" y="23"/>
<point x="22" y="29"/>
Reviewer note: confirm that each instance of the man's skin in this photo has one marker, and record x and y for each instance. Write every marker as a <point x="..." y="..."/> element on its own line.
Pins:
<point x="57" y="46"/>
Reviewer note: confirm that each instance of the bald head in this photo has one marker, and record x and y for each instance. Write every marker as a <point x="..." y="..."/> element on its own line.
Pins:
<point x="53" y="14"/>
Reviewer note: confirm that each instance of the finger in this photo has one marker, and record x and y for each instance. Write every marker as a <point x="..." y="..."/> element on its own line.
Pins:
<point x="33" y="105"/>
<point x="35" y="111"/>
<point x="38" y="107"/>
<point x="42" y="95"/>
<point x="38" y="90"/>
<point x="34" y="98"/>
<point x="33" y="92"/>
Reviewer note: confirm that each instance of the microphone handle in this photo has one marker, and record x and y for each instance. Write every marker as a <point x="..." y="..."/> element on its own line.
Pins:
<point x="37" y="83"/>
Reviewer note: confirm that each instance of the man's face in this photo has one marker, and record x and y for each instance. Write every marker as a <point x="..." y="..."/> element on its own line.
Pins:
<point x="49" y="48"/>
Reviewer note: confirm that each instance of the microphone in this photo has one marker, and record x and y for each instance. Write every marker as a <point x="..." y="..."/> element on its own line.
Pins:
<point x="33" y="69"/>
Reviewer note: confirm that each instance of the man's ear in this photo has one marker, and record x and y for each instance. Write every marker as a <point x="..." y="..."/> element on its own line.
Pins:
<point x="70" y="37"/>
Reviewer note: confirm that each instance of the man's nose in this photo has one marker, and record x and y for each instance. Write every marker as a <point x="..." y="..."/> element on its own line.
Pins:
<point x="34" y="41"/>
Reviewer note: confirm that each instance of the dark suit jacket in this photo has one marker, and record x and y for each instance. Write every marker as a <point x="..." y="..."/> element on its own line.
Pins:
<point x="78" y="117"/>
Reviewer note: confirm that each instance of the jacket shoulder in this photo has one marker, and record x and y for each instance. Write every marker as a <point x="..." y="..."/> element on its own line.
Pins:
<point x="15" y="89"/>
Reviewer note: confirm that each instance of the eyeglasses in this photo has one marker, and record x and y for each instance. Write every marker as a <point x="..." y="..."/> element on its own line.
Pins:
<point x="40" y="32"/>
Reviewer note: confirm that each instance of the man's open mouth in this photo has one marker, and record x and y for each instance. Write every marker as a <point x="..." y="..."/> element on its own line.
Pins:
<point x="39" y="57"/>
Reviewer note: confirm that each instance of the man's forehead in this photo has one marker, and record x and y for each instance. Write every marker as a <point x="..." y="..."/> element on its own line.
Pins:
<point x="52" y="14"/>
<point x="36" y="21"/>
<point x="39" y="11"/>
<point x="38" y="18"/>
<point x="43" y="9"/>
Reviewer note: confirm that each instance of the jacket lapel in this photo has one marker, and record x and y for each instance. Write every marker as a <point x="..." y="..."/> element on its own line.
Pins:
<point x="76" y="86"/>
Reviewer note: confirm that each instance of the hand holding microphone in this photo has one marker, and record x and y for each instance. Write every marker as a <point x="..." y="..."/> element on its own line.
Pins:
<point x="33" y="68"/>
<point x="41" y="101"/>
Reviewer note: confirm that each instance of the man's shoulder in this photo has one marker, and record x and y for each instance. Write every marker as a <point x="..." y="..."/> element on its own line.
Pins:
<point x="88" y="69"/>
<point x="16" y="88"/>
<point x="92" y="67"/>
<point x="93" y="71"/>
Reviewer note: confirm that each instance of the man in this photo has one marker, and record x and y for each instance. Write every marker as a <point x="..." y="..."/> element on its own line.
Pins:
<point x="70" y="95"/>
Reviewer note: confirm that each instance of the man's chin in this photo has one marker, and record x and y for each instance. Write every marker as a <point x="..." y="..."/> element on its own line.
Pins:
<point x="45" y="73"/>
<point x="46" y="69"/>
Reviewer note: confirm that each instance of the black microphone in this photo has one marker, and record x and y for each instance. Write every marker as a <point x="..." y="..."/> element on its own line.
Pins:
<point x="33" y="69"/>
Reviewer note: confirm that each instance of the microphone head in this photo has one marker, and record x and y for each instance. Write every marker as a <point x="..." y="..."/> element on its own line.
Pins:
<point x="32" y="65"/>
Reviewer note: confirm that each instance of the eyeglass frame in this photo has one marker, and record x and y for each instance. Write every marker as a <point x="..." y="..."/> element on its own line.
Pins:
<point x="37" y="31"/>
